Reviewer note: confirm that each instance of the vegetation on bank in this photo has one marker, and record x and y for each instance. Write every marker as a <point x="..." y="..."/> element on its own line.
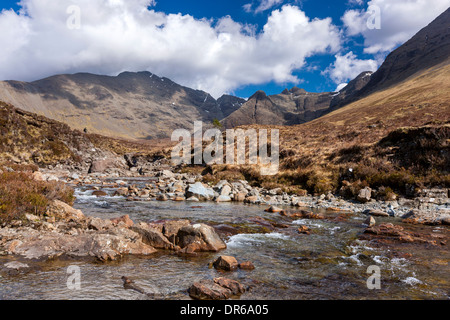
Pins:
<point x="402" y="163"/>
<point x="22" y="193"/>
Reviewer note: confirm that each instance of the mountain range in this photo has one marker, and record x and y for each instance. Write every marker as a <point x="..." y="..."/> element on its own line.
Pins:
<point x="143" y="105"/>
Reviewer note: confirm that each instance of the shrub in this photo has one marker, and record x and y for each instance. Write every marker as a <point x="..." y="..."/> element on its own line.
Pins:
<point x="21" y="194"/>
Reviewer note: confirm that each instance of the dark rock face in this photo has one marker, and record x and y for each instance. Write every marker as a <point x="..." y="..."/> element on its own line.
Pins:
<point x="351" y="90"/>
<point x="293" y="106"/>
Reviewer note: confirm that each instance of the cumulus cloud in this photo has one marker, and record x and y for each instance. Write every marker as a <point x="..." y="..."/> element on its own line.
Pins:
<point x="347" y="67"/>
<point x="399" y="21"/>
<point x="127" y="35"/>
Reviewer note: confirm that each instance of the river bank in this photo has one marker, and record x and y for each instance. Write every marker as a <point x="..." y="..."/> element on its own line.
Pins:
<point x="297" y="244"/>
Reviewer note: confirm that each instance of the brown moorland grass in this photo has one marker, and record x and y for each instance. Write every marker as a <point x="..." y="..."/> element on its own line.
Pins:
<point x="396" y="140"/>
<point x="21" y="194"/>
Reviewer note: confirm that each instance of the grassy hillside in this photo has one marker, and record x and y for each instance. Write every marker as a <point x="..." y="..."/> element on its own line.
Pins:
<point x="397" y="138"/>
<point x="30" y="138"/>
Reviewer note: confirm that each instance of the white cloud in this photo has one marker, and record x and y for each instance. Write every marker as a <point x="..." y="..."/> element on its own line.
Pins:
<point x="262" y="6"/>
<point x="119" y="35"/>
<point x="400" y="20"/>
<point x="348" y="67"/>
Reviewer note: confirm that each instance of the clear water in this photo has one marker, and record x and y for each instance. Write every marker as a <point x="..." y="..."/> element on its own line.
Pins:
<point x="330" y="263"/>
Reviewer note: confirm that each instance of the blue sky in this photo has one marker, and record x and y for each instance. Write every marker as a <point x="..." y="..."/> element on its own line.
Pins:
<point x="245" y="48"/>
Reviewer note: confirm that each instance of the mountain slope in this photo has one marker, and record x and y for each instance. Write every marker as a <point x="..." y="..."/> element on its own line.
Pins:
<point x="131" y="105"/>
<point x="428" y="48"/>
<point x="290" y="107"/>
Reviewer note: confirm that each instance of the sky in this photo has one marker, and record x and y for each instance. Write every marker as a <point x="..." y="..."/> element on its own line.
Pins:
<point x="222" y="47"/>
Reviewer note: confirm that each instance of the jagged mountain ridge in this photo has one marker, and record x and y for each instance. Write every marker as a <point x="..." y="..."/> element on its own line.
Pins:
<point x="132" y="105"/>
<point x="293" y="106"/>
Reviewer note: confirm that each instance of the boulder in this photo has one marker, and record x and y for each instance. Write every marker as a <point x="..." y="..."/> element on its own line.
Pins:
<point x="304" y="230"/>
<point x="99" y="193"/>
<point x="162" y="197"/>
<point x="123" y="219"/>
<point x="208" y="290"/>
<point x="225" y="191"/>
<point x="199" y="237"/>
<point x="252" y="199"/>
<point x="152" y="237"/>
<point x="234" y="286"/>
<point x="370" y="221"/>
<point x="121" y="192"/>
<point x="240" y="196"/>
<point x="99" y="224"/>
<point x="100" y="166"/>
<point x="376" y="213"/>
<point x="102" y="246"/>
<point x="226" y="263"/>
<point x="199" y="191"/>
<point x="223" y="199"/>
<point x="364" y="195"/>
<point x="273" y="209"/>
<point x="62" y="211"/>
<point x="170" y="228"/>
<point x="247" y="265"/>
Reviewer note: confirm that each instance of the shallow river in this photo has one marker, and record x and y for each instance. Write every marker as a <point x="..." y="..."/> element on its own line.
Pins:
<point x="330" y="263"/>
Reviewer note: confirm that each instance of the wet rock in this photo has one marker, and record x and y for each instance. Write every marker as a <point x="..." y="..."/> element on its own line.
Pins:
<point x="47" y="245"/>
<point x="273" y="209"/>
<point x="302" y="214"/>
<point x="370" y="221"/>
<point x="199" y="237"/>
<point x="226" y="263"/>
<point x="398" y="233"/>
<point x="152" y="237"/>
<point x="121" y="192"/>
<point x="234" y="286"/>
<point x="170" y="228"/>
<point x="208" y="290"/>
<point x="376" y="213"/>
<point x="364" y="195"/>
<point x="193" y="199"/>
<point x="246" y="265"/>
<point x="99" y="193"/>
<point x="304" y="230"/>
<point x="162" y="197"/>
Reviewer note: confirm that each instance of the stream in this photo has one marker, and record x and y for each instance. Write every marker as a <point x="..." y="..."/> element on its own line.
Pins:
<point x="329" y="263"/>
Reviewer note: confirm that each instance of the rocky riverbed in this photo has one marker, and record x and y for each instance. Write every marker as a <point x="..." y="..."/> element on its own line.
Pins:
<point x="174" y="217"/>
